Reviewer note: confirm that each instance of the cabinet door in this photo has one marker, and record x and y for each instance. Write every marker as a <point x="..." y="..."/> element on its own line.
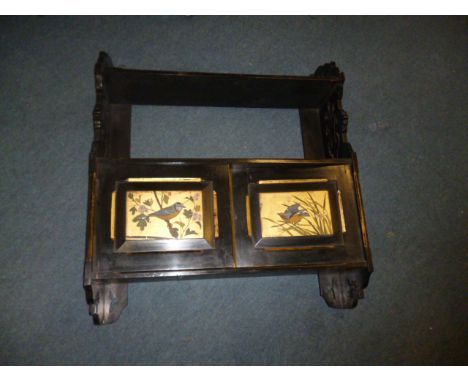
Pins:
<point x="296" y="215"/>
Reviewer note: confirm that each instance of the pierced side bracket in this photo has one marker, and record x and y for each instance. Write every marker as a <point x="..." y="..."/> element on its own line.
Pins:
<point x="100" y="111"/>
<point x="333" y="118"/>
<point x="343" y="289"/>
<point x="107" y="301"/>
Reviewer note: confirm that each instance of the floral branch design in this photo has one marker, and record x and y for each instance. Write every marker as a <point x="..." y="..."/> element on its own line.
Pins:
<point x="181" y="221"/>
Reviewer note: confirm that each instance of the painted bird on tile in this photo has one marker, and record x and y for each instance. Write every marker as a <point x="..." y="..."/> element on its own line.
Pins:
<point x="292" y="214"/>
<point x="170" y="212"/>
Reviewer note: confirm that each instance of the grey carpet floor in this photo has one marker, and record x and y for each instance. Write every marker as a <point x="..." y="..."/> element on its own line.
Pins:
<point x="405" y="92"/>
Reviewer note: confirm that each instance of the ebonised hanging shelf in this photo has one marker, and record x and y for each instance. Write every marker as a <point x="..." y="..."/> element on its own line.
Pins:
<point x="176" y="218"/>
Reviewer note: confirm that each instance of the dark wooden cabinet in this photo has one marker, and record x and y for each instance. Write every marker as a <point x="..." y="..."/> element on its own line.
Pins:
<point x="175" y="218"/>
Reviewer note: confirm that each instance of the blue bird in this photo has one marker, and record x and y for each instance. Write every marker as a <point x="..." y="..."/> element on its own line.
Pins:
<point x="292" y="214"/>
<point x="170" y="212"/>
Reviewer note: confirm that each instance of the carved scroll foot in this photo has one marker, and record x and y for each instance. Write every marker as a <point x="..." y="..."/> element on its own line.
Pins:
<point x="343" y="289"/>
<point x="106" y="301"/>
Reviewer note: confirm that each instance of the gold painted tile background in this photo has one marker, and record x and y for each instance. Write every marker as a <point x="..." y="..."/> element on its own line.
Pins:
<point x="164" y="215"/>
<point x="304" y="213"/>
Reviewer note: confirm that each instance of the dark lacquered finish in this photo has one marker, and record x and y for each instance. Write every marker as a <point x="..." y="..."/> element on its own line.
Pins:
<point x="342" y="260"/>
<point x="144" y="87"/>
<point x="342" y="251"/>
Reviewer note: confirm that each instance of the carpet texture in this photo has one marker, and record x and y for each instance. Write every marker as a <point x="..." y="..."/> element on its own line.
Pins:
<point x="405" y="91"/>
